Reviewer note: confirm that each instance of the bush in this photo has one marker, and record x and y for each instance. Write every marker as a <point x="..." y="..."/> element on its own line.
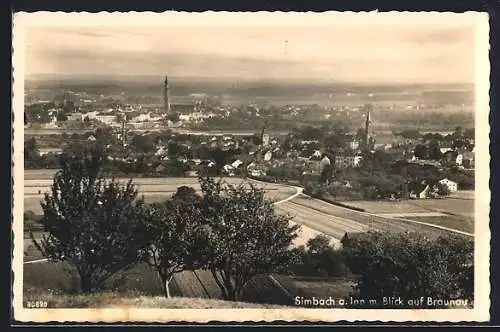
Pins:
<point x="410" y="266"/>
<point x="319" y="259"/>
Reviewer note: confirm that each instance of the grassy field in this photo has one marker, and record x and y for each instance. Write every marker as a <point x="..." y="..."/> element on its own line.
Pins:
<point x="319" y="287"/>
<point x="373" y="222"/>
<point x="453" y="206"/>
<point x="114" y="299"/>
<point x="262" y="290"/>
<point x="463" y="224"/>
<point x="39" y="174"/>
<point x="60" y="280"/>
<point x="37" y="182"/>
<point x="31" y="253"/>
<point x="141" y="280"/>
<point x="457" y="213"/>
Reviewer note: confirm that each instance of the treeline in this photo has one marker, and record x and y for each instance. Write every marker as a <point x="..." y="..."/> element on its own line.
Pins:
<point x="458" y="133"/>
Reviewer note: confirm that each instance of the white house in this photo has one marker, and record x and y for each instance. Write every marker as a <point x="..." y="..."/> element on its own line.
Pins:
<point x="452" y="185"/>
<point x="257" y="173"/>
<point x="90" y="115"/>
<point x="444" y="150"/>
<point x="421" y="192"/>
<point x="354" y="144"/>
<point x="265" y="140"/>
<point x="268" y="156"/>
<point x="228" y="169"/>
<point x="141" y="118"/>
<point x="347" y="161"/>
<point x="195" y="116"/>
<point x="44" y="151"/>
<point x="459" y="160"/>
<point x="75" y="116"/>
<point x="304" y="142"/>
<point x="148" y="117"/>
<point x="53" y="112"/>
<point x="91" y="138"/>
<point x="236" y="163"/>
<point x="107" y="119"/>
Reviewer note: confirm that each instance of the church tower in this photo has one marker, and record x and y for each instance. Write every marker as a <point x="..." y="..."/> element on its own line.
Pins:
<point x="368" y="129"/>
<point x="166" y="96"/>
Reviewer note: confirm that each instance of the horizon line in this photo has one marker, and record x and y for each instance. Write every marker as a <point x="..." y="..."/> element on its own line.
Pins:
<point x="43" y="76"/>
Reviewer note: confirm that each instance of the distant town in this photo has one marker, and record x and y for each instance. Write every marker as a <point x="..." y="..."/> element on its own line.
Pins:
<point x="171" y="139"/>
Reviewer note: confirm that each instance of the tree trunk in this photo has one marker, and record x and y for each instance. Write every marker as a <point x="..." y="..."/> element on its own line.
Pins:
<point x="163" y="285"/>
<point x="238" y="293"/>
<point x="220" y="284"/>
<point x="234" y="294"/>
<point x="85" y="283"/>
<point x="167" y="288"/>
<point x="165" y="282"/>
<point x="229" y="286"/>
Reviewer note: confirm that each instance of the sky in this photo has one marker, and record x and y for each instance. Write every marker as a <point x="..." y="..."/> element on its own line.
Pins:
<point x="413" y="51"/>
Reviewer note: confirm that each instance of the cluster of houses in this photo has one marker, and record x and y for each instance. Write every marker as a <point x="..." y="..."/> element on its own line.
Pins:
<point x="135" y="117"/>
<point x="108" y="117"/>
<point x="42" y="151"/>
<point x="423" y="190"/>
<point x="461" y="157"/>
<point x="272" y="154"/>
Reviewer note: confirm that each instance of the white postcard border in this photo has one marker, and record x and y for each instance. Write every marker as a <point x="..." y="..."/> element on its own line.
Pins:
<point x="482" y="233"/>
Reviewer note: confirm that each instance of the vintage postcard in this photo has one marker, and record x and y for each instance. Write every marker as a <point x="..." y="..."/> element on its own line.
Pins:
<point x="233" y="167"/>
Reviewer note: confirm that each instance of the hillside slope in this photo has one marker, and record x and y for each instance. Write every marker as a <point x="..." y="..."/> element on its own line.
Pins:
<point x="114" y="300"/>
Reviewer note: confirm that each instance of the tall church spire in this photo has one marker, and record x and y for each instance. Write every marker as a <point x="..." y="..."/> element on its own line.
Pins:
<point x="166" y="95"/>
<point x="368" y="128"/>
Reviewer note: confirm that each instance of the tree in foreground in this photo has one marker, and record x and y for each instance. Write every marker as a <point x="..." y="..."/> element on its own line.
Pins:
<point x="242" y="236"/>
<point x="410" y="266"/>
<point x="91" y="223"/>
<point x="171" y="231"/>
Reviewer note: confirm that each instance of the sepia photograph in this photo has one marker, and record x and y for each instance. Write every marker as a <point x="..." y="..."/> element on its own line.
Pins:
<point x="251" y="166"/>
